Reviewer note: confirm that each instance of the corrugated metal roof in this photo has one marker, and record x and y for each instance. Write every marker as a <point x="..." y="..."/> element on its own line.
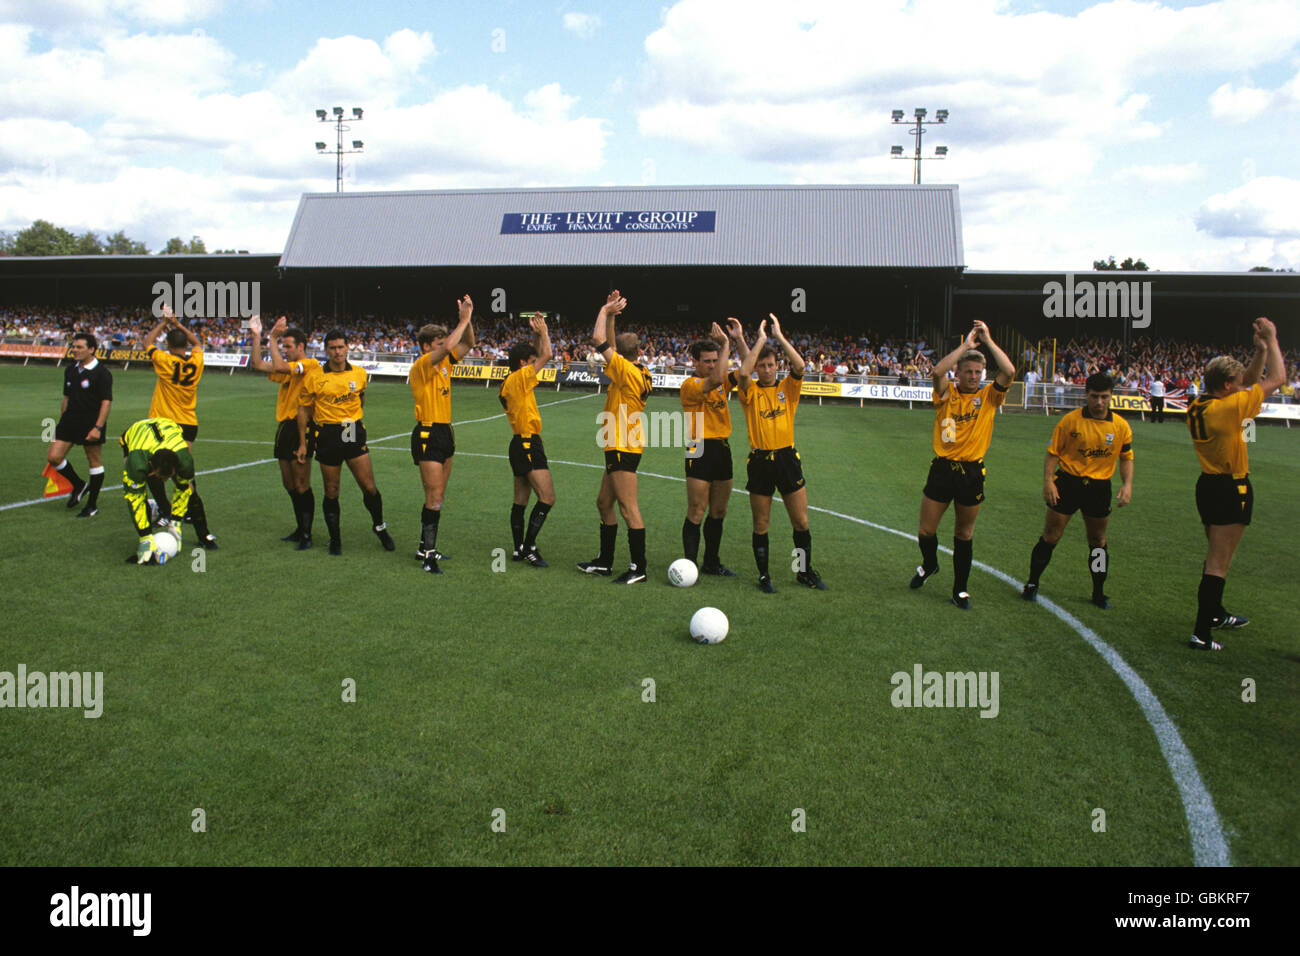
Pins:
<point x="872" y="226"/>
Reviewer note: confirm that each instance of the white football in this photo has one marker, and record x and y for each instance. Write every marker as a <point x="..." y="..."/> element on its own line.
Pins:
<point x="709" y="626"/>
<point x="165" y="543"/>
<point x="683" y="572"/>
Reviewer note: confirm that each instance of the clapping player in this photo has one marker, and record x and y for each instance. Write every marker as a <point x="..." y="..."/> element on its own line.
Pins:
<point x="527" y="455"/>
<point x="774" y="463"/>
<point x="630" y="386"/>
<point x="963" y="428"/>
<point x="289" y="367"/>
<point x="433" y="442"/>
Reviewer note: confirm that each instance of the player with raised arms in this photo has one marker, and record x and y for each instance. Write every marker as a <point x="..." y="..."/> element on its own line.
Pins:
<point x="1086" y="445"/>
<point x="433" y="441"/>
<point x="83" y="418"/>
<point x="335" y="397"/>
<point x="774" y="463"/>
<point x="963" y="428"/>
<point x="175" y="397"/>
<point x="289" y="366"/>
<point x="1224" y="496"/>
<point x="622" y="437"/>
<point x="704" y="398"/>
<point x="527" y="455"/>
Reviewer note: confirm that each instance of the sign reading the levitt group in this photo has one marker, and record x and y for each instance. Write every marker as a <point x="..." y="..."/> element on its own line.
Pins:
<point x="659" y="220"/>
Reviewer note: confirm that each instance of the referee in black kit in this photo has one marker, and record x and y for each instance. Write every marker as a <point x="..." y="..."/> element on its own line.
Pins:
<point x="83" y="420"/>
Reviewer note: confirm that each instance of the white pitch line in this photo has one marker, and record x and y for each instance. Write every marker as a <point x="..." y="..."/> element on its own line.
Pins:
<point x="211" y="471"/>
<point x="1209" y="846"/>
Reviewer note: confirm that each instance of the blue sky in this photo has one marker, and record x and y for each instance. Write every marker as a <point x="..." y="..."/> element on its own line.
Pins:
<point x="1077" y="130"/>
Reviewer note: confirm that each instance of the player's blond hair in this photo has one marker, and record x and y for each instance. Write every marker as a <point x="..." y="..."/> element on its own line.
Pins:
<point x="627" y="343"/>
<point x="974" y="355"/>
<point x="431" y="333"/>
<point x="1220" y="371"/>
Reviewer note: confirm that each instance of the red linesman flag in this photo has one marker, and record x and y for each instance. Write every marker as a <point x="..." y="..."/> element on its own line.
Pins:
<point x="55" y="483"/>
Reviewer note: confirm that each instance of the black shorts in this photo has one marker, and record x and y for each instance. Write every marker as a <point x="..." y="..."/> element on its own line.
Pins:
<point x="713" y="464"/>
<point x="1074" y="492"/>
<point x="769" y="471"/>
<point x="622" y="461"/>
<point x="949" y="479"/>
<point x="332" y="450"/>
<point x="436" y="442"/>
<point x="1223" y="499"/>
<point x="286" y="440"/>
<point x="527" y="454"/>
<point x="189" y="432"/>
<point x="73" y="428"/>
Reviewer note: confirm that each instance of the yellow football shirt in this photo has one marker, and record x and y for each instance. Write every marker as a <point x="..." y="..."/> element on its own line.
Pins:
<point x="713" y="404"/>
<point x="520" y="403"/>
<point x="630" y="386"/>
<point x="963" y="424"/>
<point x="1090" y="447"/>
<point x="334" y="396"/>
<point x="286" y="400"/>
<point x="175" y="396"/>
<point x="769" y="412"/>
<point x="1215" y="424"/>
<point x="431" y="388"/>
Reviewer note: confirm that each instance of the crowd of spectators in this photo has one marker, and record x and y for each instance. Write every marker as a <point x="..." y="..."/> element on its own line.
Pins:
<point x="831" y="353"/>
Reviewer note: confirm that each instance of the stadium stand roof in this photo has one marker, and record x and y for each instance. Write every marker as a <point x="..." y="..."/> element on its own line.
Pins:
<point x="838" y="226"/>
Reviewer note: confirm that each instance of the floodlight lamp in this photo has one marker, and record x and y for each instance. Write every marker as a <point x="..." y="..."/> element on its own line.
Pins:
<point x="320" y="115"/>
<point x="920" y="113"/>
<point x="896" y="151"/>
<point x="338" y="111"/>
<point x="321" y="147"/>
<point x="941" y="151"/>
<point x="898" y="116"/>
<point x="356" y="144"/>
<point x="941" y="115"/>
<point x="356" y="111"/>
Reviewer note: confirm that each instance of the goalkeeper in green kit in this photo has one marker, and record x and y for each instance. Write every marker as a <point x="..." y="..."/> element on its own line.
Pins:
<point x="155" y="450"/>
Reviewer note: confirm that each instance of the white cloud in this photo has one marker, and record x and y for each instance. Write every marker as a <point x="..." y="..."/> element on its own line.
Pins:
<point x="583" y="24"/>
<point x="1167" y="173"/>
<point x="1267" y="207"/>
<point x="1239" y="104"/>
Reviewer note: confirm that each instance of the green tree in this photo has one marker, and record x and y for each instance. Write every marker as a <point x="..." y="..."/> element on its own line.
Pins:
<point x="120" y="244"/>
<point x="175" y="246"/>
<point x="43" y="238"/>
<point x="89" y="245"/>
<point x="196" y="246"/>
<point x="1128" y="265"/>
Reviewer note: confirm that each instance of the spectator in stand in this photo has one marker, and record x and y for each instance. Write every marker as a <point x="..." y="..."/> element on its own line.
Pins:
<point x="1157" y="393"/>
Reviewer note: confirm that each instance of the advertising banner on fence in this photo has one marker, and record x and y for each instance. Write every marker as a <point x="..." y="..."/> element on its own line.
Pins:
<point x="33" y="351"/>
<point x="896" y="393"/>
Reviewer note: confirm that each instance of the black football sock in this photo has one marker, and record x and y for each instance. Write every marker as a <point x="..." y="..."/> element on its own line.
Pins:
<point x="517" y="524"/>
<point x="295" y="498"/>
<point x="691" y="539"/>
<point x="760" y="554"/>
<point x="803" y="543"/>
<point x="535" y="522"/>
<point x="375" y="505"/>
<point x="1096" y="561"/>
<point x="962" y="552"/>
<point x="96" y="482"/>
<point x="198" y="515"/>
<point x="712" y="540"/>
<point x="636" y="545"/>
<point x="608" y="536"/>
<point x="1039" y="558"/>
<point x="306" y="510"/>
<point x="70" y="473"/>
<point x="1209" y="604"/>
<point x="429" y="518"/>
<point x="929" y="552"/>
<point x="330" y="508"/>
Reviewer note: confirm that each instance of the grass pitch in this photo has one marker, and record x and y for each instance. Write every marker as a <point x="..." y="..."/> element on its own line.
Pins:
<point x="520" y="696"/>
